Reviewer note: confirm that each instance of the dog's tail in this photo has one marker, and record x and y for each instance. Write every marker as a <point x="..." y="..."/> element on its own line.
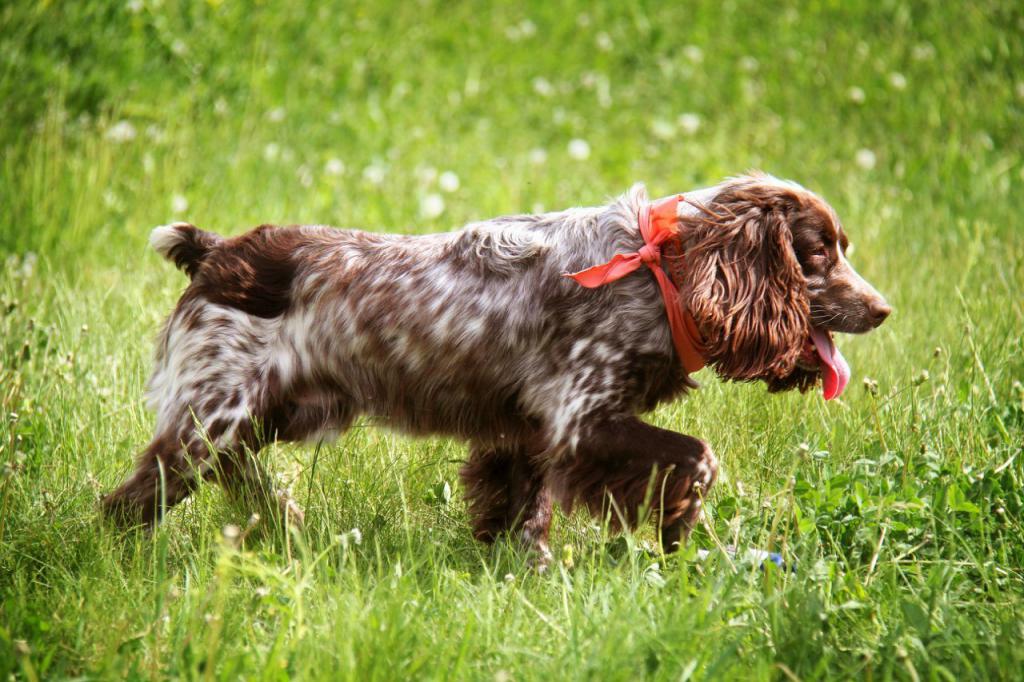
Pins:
<point x="184" y="244"/>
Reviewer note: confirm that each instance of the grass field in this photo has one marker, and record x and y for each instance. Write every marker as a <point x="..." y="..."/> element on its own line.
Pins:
<point x="901" y="506"/>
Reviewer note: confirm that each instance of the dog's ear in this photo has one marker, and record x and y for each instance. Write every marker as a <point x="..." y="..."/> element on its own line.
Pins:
<point x="743" y="283"/>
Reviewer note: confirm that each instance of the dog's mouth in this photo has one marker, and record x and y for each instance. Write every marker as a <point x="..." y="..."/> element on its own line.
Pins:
<point x="820" y="354"/>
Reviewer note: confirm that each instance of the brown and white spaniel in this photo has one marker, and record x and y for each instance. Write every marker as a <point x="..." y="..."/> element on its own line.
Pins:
<point x="287" y="333"/>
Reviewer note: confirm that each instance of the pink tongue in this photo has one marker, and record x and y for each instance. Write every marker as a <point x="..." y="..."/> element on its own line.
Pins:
<point x="835" y="372"/>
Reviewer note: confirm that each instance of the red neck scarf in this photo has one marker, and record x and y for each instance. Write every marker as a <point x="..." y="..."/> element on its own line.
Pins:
<point x="658" y="224"/>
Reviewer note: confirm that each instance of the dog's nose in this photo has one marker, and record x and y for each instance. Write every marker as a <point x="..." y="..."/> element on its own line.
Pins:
<point x="878" y="310"/>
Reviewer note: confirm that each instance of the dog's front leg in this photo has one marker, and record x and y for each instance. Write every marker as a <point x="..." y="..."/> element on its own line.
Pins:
<point x="506" y="494"/>
<point x="632" y="471"/>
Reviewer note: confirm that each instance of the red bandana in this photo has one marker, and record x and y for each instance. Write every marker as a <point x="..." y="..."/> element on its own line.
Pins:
<point x="658" y="224"/>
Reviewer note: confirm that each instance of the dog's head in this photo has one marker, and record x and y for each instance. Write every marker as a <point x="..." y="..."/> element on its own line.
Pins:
<point x="767" y="282"/>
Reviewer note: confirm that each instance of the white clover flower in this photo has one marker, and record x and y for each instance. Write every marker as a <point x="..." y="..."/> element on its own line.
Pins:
<point x="538" y="156"/>
<point x="897" y="80"/>
<point x="693" y="53"/>
<point x="865" y="158"/>
<point x="604" y="42"/>
<point x="179" y="204"/>
<point x="431" y="206"/>
<point x="579" y="149"/>
<point x="122" y="131"/>
<point x="689" y="122"/>
<point x="749" y="64"/>
<point x="527" y="28"/>
<point x="179" y="48"/>
<point x="276" y="115"/>
<point x="662" y="129"/>
<point x="271" y="151"/>
<point x="374" y="173"/>
<point x="856" y="95"/>
<point x="923" y="52"/>
<point x="135" y="6"/>
<point x="449" y="181"/>
<point x="334" y="166"/>
<point x="543" y="87"/>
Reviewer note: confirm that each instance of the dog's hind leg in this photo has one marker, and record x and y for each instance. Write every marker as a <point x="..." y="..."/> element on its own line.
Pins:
<point x="165" y="474"/>
<point x="633" y="471"/>
<point x="506" y="493"/>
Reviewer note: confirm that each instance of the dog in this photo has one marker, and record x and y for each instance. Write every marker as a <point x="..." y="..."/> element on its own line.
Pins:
<point x="538" y="339"/>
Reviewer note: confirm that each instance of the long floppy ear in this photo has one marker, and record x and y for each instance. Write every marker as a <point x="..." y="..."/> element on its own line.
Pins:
<point x="743" y="284"/>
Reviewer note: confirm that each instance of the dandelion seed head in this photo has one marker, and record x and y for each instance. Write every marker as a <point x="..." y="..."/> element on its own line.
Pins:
<point x="179" y="204"/>
<point x="865" y="158"/>
<point x="431" y="206"/>
<point x="579" y="149"/>
<point x="448" y="181"/>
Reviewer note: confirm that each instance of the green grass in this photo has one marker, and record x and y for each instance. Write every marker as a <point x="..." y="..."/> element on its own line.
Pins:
<point x="900" y="505"/>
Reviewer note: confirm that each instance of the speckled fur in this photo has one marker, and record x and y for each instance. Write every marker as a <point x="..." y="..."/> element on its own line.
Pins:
<point x="290" y="333"/>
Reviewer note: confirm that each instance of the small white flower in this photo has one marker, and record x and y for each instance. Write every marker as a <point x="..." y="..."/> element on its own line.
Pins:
<point x="583" y="20"/>
<point x="179" y="204"/>
<point x="537" y="208"/>
<point x="856" y="95"/>
<point x="305" y="175"/>
<point x="538" y="156"/>
<point x="220" y="107"/>
<point x="662" y="129"/>
<point x="527" y="28"/>
<point x="374" y="174"/>
<point x="749" y="64"/>
<point x="865" y="158"/>
<point x="689" y="122"/>
<point x="356" y="535"/>
<point x="135" y="6"/>
<point x="122" y="131"/>
<point x="276" y="115"/>
<point x="923" y="52"/>
<point x="543" y="87"/>
<point x="334" y="166"/>
<point x="897" y="80"/>
<point x="449" y="181"/>
<point x="693" y="53"/>
<point x="431" y="206"/>
<point x="179" y="48"/>
<point x="579" y="149"/>
<point x="604" y="42"/>
<point x="271" y="151"/>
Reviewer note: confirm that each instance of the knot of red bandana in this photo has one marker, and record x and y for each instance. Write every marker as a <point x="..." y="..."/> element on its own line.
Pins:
<point x="658" y="223"/>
